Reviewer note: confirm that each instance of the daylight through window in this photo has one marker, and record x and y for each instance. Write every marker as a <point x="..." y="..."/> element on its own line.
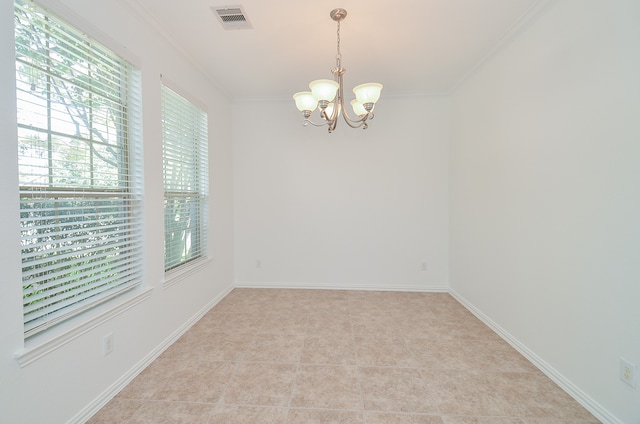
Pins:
<point x="80" y="189"/>
<point x="184" y="148"/>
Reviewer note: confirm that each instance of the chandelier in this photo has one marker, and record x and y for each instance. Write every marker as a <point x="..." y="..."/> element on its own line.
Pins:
<point x="328" y="95"/>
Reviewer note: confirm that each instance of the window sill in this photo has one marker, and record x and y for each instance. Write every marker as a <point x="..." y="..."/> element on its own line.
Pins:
<point x="39" y="347"/>
<point x="175" y="276"/>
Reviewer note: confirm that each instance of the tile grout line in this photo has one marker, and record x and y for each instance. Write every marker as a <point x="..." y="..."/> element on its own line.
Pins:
<point x="405" y="334"/>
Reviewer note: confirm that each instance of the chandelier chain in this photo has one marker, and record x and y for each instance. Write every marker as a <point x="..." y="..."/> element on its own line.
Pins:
<point x="339" y="55"/>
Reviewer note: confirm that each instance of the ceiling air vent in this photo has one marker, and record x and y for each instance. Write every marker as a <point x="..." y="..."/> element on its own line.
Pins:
<point x="232" y="17"/>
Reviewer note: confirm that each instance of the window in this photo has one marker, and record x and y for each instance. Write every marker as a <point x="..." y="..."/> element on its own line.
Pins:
<point x="80" y="186"/>
<point x="184" y="153"/>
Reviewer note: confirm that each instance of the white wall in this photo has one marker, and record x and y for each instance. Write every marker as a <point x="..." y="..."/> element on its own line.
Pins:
<point x="545" y="195"/>
<point x="355" y="208"/>
<point x="67" y="383"/>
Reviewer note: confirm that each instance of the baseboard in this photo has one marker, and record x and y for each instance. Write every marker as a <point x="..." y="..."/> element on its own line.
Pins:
<point x="582" y="398"/>
<point x="104" y="398"/>
<point x="343" y="286"/>
<point x="591" y="405"/>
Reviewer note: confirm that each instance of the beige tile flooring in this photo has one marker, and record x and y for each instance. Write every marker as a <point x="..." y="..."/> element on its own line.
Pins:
<point x="321" y="356"/>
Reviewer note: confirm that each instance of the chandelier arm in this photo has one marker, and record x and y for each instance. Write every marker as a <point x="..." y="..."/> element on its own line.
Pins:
<point x="357" y="122"/>
<point x="353" y="123"/>
<point x="332" y="125"/>
<point x="309" y="121"/>
<point x="334" y="114"/>
<point x="331" y="121"/>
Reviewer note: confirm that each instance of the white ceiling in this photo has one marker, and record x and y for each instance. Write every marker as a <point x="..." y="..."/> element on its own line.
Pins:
<point x="410" y="46"/>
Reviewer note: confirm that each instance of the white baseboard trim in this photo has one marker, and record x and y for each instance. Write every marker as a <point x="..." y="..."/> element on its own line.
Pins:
<point x="582" y="398"/>
<point x="366" y="287"/>
<point x="591" y="405"/>
<point x="106" y="396"/>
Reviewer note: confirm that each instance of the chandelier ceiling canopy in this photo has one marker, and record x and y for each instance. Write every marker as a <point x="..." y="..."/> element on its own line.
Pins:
<point x="328" y="95"/>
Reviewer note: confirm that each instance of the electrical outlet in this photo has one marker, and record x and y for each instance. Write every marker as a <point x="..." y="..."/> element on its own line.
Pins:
<point x="258" y="263"/>
<point x="628" y="372"/>
<point x="107" y="344"/>
<point x="424" y="266"/>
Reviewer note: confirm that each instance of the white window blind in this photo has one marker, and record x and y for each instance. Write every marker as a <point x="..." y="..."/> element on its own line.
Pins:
<point x="184" y="147"/>
<point x="78" y="107"/>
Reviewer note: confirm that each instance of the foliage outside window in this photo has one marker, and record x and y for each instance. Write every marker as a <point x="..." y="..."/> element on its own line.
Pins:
<point x="80" y="188"/>
<point x="184" y="148"/>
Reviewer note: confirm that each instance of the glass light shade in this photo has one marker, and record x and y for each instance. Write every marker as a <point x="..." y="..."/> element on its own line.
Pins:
<point x="324" y="89"/>
<point x="368" y="93"/>
<point x="358" y="107"/>
<point x="305" y="101"/>
<point x="329" y="109"/>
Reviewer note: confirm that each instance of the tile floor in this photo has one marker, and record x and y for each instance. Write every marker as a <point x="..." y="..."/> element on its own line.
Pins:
<point x="319" y="356"/>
